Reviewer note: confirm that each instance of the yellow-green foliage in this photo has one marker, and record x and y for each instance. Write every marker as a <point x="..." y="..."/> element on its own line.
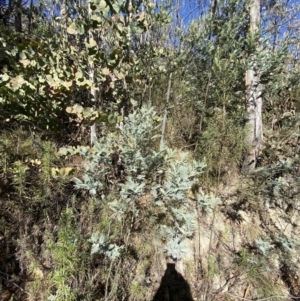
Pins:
<point x="137" y="291"/>
<point x="65" y="258"/>
<point x="259" y="274"/>
<point x="222" y="144"/>
<point x="212" y="266"/>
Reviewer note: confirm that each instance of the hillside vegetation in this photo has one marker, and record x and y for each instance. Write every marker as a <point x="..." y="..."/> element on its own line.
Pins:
<point x="149" y="150"/>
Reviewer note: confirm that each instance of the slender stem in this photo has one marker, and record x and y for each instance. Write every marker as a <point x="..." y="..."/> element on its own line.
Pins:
<point x="92" y="79"/>
<point x="163" y="130"/>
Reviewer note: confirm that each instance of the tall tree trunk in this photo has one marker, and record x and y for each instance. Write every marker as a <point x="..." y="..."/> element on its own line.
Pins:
<point x="18" y="16"/>
<point x="30" y="16"/>
<point x="254" y="101"/>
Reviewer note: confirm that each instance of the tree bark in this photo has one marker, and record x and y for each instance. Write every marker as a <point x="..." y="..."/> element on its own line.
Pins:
<point x="164" y="123"/>
<point x="254" y="101"/>
<point x="18" y="16"/>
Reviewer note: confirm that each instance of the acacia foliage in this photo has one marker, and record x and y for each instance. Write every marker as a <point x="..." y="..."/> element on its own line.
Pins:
<point x="137" y="182"/>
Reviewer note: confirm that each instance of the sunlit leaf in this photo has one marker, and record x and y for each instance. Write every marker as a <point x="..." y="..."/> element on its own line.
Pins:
<point x="105" y="71"/>
<point x="4" y="77"/>
<point x="72" y="29"/>
<point x="102" y="4"/>
<point x="25" y="63"/>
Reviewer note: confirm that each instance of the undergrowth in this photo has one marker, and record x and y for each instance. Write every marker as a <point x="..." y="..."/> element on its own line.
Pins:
<point x="79" y="217"/>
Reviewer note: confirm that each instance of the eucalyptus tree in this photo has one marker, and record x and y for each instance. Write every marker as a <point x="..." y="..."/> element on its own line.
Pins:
<point x="55" y="65"/>
<point x="254" y="97"/>
<point x="228" y="40"/>
<point x="271" y="73"/>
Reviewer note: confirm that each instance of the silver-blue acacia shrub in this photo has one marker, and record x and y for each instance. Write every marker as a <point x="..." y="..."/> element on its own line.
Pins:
<point x="124" y="167"/>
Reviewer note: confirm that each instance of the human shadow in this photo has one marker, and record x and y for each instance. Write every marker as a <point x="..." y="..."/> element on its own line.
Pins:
<point x="173" y="286"/>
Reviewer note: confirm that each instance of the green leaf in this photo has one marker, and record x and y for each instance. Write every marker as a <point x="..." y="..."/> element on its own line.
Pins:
<point x="120" y="27"/>
<point x="22" y="55"/>
<point x="80" y="29"/>
<point x="72" y="29"/>
<point x="78" y="108"/>
<point x="105" y="71"/>
<point x="25" y="63"/>
<point x="17" y="82"/>
<point x="92" y="43"/>
<point x="4" y="77"/>
<point x="116" y="7"/>
<point x="102" y="4"/>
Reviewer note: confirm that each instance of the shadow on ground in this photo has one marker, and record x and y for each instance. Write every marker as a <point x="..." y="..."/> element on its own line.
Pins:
<point x="173" y="286"/>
